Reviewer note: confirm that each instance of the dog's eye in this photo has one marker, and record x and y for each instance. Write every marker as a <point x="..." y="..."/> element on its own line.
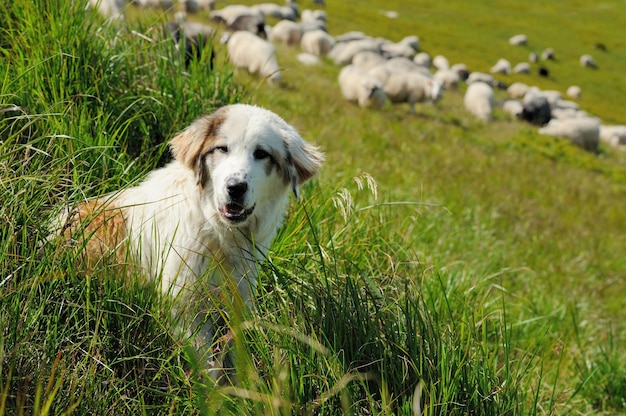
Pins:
<point x="222" y="149"/>
<point x="261" y="154"/>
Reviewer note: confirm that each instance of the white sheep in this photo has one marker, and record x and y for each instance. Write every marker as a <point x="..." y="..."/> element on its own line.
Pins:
<point x="368" y="59"/>
<point x="287" y="12"/>
<point x="343" y="52"/>
<point x="503" y="66"/>
<point x="587" y="61"/>
<point x="195" y="6"/>
<point x="317" y="42"/>
<point x="286" y="32"/>
<point x="512" y="107"/>
<point x="479" y="100"/>
<point x="113" y="9"/>
<point x="309" y="15"/>
<point x="547" y="54"/>
<point x="411" y="88"/>
<point x="423" y="59"/>
<point x="518" y="40"/>
<point x="250" y="52"/>
<point x="357" y="86"/>
<point x="574" y="91"/>
<point x="613" y="135"/>
<point x="517" y="90"/>
<point x="441" y="62"/>
<point x="522" y="68"/>
<point x="449" y="77"/>
<point x="395" y="50"/>
<point x="584" y="132"/>
<point x="482" y="77"/>
<point x="412" y="41"/>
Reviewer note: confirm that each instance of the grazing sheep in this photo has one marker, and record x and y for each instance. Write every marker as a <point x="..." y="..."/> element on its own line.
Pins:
<point x="479" y="100"/>
<point x="518" y="40"/>
<point x="461" y="70"/>
<point x="564" y="113"/>
<point x="441" y="62"/>
<point x="512" y="107"/>
<point x="533" y="58"/>
<point x="195" y="6"/>
<point x="522" y="68"/>
<point x="195" y="36"/>
<point x="536" y="110"/>
<point x="583" y="132"/>
<point x="286" y="32"/>
<point x="587" y="61"/>
<point x="357" y="86"/>
<point x="547" y="54"/>
<point x="412" y="41"/>
<point x="423" y="59"/>
<point x="368" y="59"/>
<point x="517" y="90"/>
<point x="308" y="59"/>
<point x="449" y="77"/>
<point x="503" y="66"/>
<point x="250" y="52"/>
<point x="613" y="135"/>
<point x="343" y="52"/>
<point x="313" y="16"/>
<point x="411" y="88"/>
<point x="482" y="77"/>
<point x="317" y="42"/>
<point x="396" y="50"/>
<point x="109" y="8"/>
<point x="287" y="12"/>
<point x="543" y="71"/>
<point x="574" y="92"/>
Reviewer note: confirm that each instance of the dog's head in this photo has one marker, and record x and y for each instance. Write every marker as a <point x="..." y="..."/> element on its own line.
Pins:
<point x="247" y="158"/>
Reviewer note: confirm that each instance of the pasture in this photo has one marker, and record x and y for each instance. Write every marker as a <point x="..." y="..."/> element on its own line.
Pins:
<point x="483" y="261"/>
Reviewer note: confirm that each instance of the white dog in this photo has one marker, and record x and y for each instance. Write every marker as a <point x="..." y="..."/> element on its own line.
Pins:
<point x="207" y="218"/>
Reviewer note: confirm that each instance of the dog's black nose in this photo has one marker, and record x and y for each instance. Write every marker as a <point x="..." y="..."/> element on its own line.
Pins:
<point x="236" y="188"/>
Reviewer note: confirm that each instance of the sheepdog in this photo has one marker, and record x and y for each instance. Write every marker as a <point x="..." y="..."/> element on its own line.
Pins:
<point x="205" y="220"/>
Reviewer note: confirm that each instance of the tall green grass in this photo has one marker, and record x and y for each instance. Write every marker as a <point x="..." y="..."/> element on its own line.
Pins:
<point x="432" y="250"/>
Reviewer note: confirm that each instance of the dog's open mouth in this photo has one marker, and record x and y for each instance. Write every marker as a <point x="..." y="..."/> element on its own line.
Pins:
<point x="234" y="212"/>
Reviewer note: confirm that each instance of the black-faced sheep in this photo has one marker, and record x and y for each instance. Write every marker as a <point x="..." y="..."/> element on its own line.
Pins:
<point x="536" y="111"/>
<point x="358" y="86"/>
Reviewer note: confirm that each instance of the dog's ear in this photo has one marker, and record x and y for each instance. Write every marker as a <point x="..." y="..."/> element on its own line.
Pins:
<point x="191" y="146"/>
<point x="304" y="160"/>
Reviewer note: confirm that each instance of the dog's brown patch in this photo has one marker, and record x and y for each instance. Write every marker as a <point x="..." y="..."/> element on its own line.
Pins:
<point x="98" y="229"/>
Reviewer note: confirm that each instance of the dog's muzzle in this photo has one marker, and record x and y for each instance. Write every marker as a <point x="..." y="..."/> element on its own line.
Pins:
<point x="234" y="212"/>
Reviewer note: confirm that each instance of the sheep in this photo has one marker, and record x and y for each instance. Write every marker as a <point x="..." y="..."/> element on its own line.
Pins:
<point x="287" y="12"/>
<point x="248" y="51"/>
<point x="286" y="32"/>
<point x="461" y="70"/>
<point x="587" y="61"/>
<point x="195" y="36"/>
<point x="503" y="66"/>
<point x="574" y="92"/>
<point x="479" y="100"/>
<point x="368" y="59"/>
<point x="241" y="18"/>
<point x="441" y="62"/>
<point x="308" y="59"/>
<point x="317" y="42"/>
<point x="359" y="87"/>
<point x="412" y="41"/>
<point x="423" y="59"/>
<point x="411" y="88"/>
<point x="518" y="40"/>
<point x="195" y="6"/>
<point x="309" y="15"/>
<point x="565" y="113"/>
<point x="343" y="52"/>
<point x="522" y="68"/>
<point x="482" y="77"/>
<point x="155" y="4"/>
<point x="613" y="135"/>
<point x="536" y="110"/>
<point x="449" y="78"/>
<point x="533" y="57"/>
<point x="109" y="8"/>
<point x="512" y="107"/>
<point x="583" y="132"/>
<point x="517" y="90"/>
<point x="547" y="54"/>
<point x="394" y="50"/>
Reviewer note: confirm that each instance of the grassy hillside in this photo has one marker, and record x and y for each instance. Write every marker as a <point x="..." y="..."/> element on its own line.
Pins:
<point x="483" y="261"/>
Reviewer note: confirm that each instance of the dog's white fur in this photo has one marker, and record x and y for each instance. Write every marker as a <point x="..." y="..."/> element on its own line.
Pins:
<point x="211" y="213"/>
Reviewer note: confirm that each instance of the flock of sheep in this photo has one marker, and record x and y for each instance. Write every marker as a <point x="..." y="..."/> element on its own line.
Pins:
<point x="377" y="70"/>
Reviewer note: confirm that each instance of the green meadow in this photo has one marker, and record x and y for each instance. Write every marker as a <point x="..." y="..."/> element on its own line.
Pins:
<point x="480" y="265"/>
